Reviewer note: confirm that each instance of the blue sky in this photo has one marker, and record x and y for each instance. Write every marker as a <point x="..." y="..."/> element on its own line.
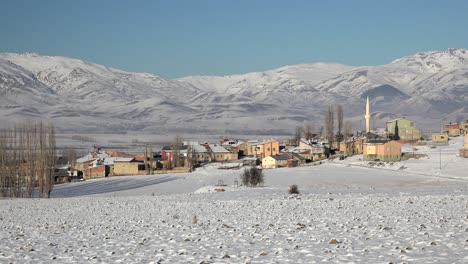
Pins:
<point x="177" y="38"/>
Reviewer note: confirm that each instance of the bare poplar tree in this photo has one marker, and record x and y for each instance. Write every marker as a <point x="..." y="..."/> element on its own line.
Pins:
<point x="150" y="159"/>
<point x="297" y="135"/>
<point x="339" y="115"/>
<point x="51" y="160"/>
<point x="329" y="125"/>
<point x="27" y="157"/>
<point x="31" y="132"/>
<point x="177" y="160"/>
<point x="348" y="130"/>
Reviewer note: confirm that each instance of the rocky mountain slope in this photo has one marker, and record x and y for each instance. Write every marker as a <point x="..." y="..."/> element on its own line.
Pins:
<point x="430" y="87"/>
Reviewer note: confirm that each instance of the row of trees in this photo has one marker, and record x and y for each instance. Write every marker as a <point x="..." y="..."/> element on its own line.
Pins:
<point x="309" y="131"/>
<point x="27" y="160"/>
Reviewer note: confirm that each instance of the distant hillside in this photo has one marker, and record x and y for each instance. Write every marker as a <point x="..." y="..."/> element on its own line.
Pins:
<point x="429" y="87"/>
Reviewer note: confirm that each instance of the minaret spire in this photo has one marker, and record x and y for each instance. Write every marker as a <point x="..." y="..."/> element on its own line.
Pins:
<point x="367" y="116"/>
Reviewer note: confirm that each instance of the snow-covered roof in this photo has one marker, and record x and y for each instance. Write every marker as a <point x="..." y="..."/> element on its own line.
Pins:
<point x="280" y="157"/>
<point x="110" y="160"/>
<point x="297" y="156"/>
<point x="376" y="142"/>
<point x="117" y="159"/>
<point x="86" y="158"/>
<point x="218" y="148"/>
<point x="238" y="144"/>
<point x="199" y="148"/>
<point x="265" y="142"/>
<point x="295" y="150"/>
<point x="102" y="155"/>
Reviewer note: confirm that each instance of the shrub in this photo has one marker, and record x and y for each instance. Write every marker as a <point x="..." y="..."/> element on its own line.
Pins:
<point x="252" y="177"/>
<point x="293" y="189"/>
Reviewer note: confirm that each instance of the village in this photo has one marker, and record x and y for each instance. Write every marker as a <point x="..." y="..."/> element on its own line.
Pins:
<point x="306" y="148"/>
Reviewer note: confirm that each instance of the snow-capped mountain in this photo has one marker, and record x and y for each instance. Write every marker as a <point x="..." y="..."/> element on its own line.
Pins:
<point x="430" y="87"/>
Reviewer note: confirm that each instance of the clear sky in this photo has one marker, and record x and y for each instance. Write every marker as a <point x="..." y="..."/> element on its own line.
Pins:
<point x="177" y="38"/>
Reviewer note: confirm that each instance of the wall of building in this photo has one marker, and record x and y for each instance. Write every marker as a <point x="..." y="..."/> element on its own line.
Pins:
<point x="406" y="129"/>
<point x="453" y="132"/>
<point x="390" y="151"/>
<point x="96" y="172"/>
<point x="464" y="126"/>
<point x="439" y="138"/>
<point x="464" y="153"/>
<point x="265" y="149"/>
<point x="246" y="148"/>
<point x="466" y="142"/>
<point x="269" y="163"/>
<point x="202" y="156"/>
<point x="224" y="156"/>
<point x="82" y="166"/>
<point x="351" y="147"/>
<point x="126" y="168"/>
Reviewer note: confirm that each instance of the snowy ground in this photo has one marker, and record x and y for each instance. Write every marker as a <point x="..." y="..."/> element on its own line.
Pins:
<point x="346" y="213"/>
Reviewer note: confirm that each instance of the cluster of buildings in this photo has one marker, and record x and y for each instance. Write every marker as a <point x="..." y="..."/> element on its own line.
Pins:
<point x="187" y="155"/>
<point x="382" y="145"/>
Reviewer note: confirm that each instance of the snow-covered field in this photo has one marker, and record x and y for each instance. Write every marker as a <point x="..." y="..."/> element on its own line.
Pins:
<point x="346" y="213"/>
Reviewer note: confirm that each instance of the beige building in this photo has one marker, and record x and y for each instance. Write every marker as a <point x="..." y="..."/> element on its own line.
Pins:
<point x="351" y="147"/>
<point x="219" y="153"/>
<point x="266" y="148"/>
<point x="127" y="166"/>
<point x="382" y="150"/>
<point x="245" y="148"/>
<point x="440" y="138"/>
<point x="275" y="161"/>
<point x="464" y="127"/>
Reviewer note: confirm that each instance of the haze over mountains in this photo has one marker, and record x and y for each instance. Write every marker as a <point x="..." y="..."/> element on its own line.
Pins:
<point x="429" y="87"/>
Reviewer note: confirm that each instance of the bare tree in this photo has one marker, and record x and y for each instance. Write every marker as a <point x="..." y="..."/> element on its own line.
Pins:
<point x="329" y="125"/>
<point x="308" y="131"/>
<point x="339" y="114"/>
<point x="191" y="157"/>
<point x="297" y="135"/>
<point x="177" y="160"/>
<point x="348" y="130"/>
<point x="27" y="156"/>
<point x="51" y="157"/>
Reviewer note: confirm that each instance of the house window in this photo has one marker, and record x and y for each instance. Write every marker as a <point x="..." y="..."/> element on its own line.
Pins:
<point x="274" y="149"/>
<point x="268" y="149"/>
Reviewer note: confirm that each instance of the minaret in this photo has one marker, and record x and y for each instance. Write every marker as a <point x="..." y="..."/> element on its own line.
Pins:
<point x="367" y="116"/>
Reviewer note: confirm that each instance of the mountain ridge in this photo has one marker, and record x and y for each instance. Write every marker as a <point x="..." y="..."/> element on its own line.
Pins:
<point x="429" y="87"/>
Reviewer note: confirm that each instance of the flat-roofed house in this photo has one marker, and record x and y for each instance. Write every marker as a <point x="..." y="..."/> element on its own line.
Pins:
<point x="265" y="148"/>
<point x="128" y="166"/>
<point x="382" y="150"/>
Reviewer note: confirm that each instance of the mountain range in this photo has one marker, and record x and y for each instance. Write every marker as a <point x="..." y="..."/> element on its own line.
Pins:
<point x="78" y="96"/>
